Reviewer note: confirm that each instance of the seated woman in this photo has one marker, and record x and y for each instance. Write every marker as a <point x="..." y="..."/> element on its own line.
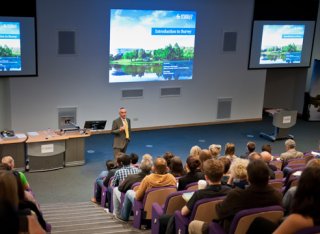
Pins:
<point x="226" y="173"/>
<point x="238" y="173"/>
<point x="176" y="167"/>
<point x="304" y="211"/>
<point x="193" y="173"/>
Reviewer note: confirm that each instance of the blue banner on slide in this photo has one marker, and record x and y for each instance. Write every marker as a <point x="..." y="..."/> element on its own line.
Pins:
<point x="10" y="63"/>
<point x="173" y="31"/>
<point x="178" y="70"/>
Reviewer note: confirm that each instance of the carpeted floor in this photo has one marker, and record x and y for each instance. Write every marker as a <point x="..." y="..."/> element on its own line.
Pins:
<point x="75" y="184"/>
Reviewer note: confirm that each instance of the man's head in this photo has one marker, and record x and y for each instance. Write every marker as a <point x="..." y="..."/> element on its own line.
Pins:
<point x="266" y="156"/>
<point x="230" y="149"/>
<point x="134" y="158"/>
<point x="160" y="166"/>
<point x="110" y="164"/>
<point x="251" y="146"/>
<point x="266" y="147"/>
<point x="213" y="170"/>
<point x="254" y="156"/>
<point x="122" y="112"/>
<point x="126" y="160"/>
<point x="146" y="166"/>
<point x="9" y="161"/>
<point x="290" y="144"/>
<point x="258" y="173"/>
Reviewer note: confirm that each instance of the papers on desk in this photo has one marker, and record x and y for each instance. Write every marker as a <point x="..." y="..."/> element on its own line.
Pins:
<point x="33" y="134"/>
<point x="21" y="135"/>
<point x="187" y="196"/>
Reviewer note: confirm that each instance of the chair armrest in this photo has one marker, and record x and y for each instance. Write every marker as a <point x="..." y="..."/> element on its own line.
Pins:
<point x="137" y="213"/>
<point x="215" y="228"/>
<point x="157" y="210"/>
<point x="181" y="222"/>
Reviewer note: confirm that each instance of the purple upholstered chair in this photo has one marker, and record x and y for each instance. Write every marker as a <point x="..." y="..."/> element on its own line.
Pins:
<point x="133" y="187"/>
<point x="142" y="210"/>
<point x="104" y="197"/>
<point x="204" y="210"/>
<point x="173" y="202"/>
<point x="310" y="230"/>
<point x="242" y="220"/>
<point x="192" y="186"/>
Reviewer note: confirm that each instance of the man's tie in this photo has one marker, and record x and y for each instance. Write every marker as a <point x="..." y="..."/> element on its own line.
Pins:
<point x="126" y="128"/>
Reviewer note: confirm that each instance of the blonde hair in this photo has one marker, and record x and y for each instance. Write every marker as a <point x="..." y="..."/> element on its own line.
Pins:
<point x="215" y="150"/>
<point x="238" y="168"/>
<point x="8" y="160"/>
<point x="147" y="157"/>
<point x="195" y="151"/>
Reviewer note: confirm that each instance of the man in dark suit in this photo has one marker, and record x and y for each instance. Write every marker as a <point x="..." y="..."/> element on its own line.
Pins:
<point x="121" y="129"/>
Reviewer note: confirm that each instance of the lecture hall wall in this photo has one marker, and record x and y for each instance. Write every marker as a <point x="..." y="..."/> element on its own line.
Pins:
<point x="81" y="80"/>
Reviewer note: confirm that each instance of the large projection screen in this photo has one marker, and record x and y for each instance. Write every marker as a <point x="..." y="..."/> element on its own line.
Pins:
<point x="151" y="45"/>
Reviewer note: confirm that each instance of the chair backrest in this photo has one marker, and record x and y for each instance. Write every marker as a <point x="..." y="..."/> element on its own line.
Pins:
<point x="277" y="163"/>
<point x="204" y="209"/>
<point x="192" y="186"/>
<point x="135" y="186"/>
<point x="278" y="174"/>
<point x="296" y="161"/>
<point x="174" y="202"/>
<point x="158" y="195"/>
<point x="276" y="184"/>
<point x="242" y="220"/>
<point x="310" y="230"/>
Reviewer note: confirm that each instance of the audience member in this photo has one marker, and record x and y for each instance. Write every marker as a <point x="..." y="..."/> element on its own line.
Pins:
<point x="288" y="196"/>
<point x="238" y="173"/>
<point x="251" y="146"/>
<point x="305" y="207"/>
<point x="28" y="222"/>
<point x="230" y="150"/>
<point x="291" y="152"/>
<point x="213" y="171"/>
<point x="203" y="156"/>
<point x="226" y="174"/>
<point x="110" y="165"/>
<point x="124" y="171"/>
<point x="194" y="173"/>
<point x="147" y="157"/>
<point x="266" y="147"/>
<point x="257" y="194"/>
<point x="159" y="178"/>
<point x="10" y="162"/>
<point x="267" y="158"/>
<point x="195" y="151"/>
<point x="168" y="156"/>
<point x="176" y="167"/>
<point x="257" y="156"/>
<point x="134" y="160"/>
<point x="215" y="150"/>
<point x="145" y="168"/>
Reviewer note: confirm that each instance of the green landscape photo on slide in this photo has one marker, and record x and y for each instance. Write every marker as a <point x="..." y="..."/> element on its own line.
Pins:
<point x="10" y="50"/>
<point x="151" y="45"/>
<point x="281" y="44"/>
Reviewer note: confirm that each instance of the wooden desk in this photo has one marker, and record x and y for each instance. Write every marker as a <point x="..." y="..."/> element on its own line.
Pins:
<point x="54" y="151"/>
<point x="15" y="148"/>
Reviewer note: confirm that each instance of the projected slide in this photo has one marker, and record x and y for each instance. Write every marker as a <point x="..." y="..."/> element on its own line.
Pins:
<point x="281" y="44"/>
<point x="10" y="50"/>
<point x="151" y="45"/>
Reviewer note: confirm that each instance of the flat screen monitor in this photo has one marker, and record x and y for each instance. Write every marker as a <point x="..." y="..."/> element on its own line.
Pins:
<point x="151" y="45"/>
<point x="281" y="44"/>
<point x="95" y="124"/>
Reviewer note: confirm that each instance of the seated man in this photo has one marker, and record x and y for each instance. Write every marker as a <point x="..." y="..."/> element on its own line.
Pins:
<point x="290" y="153"/>
<point x="258" y="194"/>
<point x="159" y="178"/>
<point x="123" y="172"/>
<point x="213" y="172"/>
<point x="110" y="165"/>
<point x="145" y="168"/>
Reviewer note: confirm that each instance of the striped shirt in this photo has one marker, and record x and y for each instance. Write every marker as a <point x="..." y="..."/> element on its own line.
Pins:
<point x="122" y="173"/>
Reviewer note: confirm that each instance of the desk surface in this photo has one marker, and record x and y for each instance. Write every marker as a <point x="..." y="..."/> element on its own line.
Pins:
<point x="20" y="139"/>
<point x="43" y="136"/>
